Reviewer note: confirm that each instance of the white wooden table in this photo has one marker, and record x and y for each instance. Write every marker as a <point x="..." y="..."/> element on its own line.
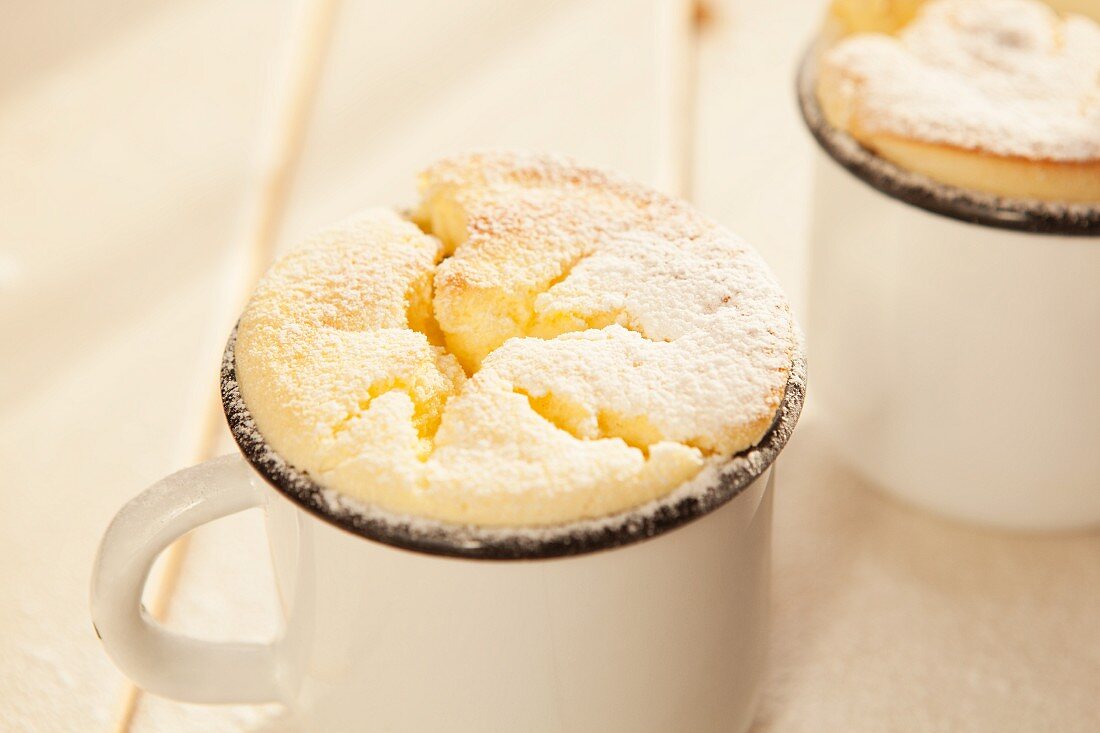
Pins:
<point x="128" y="138"/>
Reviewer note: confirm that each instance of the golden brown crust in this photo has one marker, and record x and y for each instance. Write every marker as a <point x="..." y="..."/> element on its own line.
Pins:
<point x="847" y="17"/>
<point x="1012" y="146"/>
<point x="1012" y="176"/>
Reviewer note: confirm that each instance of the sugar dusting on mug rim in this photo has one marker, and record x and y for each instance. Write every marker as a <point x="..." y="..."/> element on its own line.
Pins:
<point x="719" y="481"/>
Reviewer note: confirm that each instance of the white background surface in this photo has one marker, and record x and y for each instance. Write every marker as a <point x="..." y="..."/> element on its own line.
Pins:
<point x="127" y="142"/>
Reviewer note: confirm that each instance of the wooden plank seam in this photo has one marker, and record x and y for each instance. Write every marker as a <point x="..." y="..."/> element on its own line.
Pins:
<point x="312" y="32"/>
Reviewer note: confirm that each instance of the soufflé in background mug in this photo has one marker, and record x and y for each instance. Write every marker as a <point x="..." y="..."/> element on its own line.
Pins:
<point x="955" y="276"/>
<point x="516" y="455"/>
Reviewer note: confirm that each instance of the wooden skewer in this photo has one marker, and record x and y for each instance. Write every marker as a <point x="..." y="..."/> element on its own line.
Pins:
<point x="282" y="153"/>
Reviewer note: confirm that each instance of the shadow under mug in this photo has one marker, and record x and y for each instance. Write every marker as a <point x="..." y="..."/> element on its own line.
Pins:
<point x="650" y="621"/>
<point x="955" y="337"/>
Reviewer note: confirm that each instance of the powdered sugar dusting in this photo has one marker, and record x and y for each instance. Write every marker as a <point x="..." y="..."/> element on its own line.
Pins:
<point x="1007" y="77"/>
<point x="1019" y="214"/>
<point x="719" y="481"/>
<point x="615" y="340"/>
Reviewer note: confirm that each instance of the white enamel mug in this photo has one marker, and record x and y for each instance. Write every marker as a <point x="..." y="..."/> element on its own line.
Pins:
<point x="652" y="621"/>
<point x="955" y="339"/>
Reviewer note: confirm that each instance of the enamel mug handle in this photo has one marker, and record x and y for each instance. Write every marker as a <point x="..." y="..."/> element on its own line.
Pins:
<point x="156" y="659"/>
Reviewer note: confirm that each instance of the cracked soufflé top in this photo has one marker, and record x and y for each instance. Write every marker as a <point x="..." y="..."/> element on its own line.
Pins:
<point x="538" y="343"/>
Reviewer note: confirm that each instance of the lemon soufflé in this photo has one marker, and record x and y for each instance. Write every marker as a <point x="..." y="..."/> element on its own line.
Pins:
<point x="998" y="96"/>
<point x="538" y="343"/>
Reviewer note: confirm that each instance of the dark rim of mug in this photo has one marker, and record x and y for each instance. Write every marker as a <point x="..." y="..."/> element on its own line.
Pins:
<point x="974" y="207"/>
<point x="471" y="542"/>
